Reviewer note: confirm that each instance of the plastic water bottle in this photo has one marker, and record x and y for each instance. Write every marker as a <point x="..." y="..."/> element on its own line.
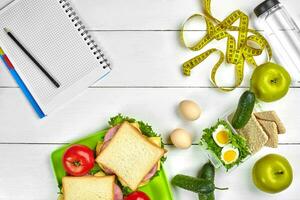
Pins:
<point x="283" y="35"/>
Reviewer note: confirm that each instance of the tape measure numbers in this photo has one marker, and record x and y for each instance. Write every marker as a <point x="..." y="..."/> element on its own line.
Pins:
<point x="236" y="52"/>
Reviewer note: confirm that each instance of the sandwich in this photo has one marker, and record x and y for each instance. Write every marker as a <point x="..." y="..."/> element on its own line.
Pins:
<point x="88" y="187"/>
<point x="131" y="151"/>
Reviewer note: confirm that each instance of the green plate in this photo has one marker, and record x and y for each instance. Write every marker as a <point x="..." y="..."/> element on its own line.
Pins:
<point x="158" y="188"/>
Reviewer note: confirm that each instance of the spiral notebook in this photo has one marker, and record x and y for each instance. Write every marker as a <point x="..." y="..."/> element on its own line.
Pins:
<point x="54" y="34"/>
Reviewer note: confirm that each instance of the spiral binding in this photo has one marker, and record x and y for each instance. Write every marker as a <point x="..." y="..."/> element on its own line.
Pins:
<point x="84" y="33"/>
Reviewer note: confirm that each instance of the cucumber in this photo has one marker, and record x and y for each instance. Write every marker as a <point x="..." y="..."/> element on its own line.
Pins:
<point x="207" y="172"/>
<point x="244" y="110"/>
<point x="198" y="185"/>
<point x="208" y="196"/>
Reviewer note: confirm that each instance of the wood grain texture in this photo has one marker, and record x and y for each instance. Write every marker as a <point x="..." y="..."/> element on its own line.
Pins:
<point x="158" y="14"/>
<point x="153" y="59"/>
<point x="141" y="39"/>
<point x="239" y="180"/>
<point x="157" y="106"/>
<point x="26" y="173"/>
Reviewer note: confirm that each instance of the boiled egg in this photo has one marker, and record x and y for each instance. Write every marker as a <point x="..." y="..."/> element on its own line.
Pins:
<point x="229" y="154"/>
<point x="221" y="136"/>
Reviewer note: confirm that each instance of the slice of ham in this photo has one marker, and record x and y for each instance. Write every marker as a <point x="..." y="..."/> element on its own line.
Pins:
<point x="108" y="136"/>
<point x="151" y="173"/>
<point x="118" y="195"/>
<point x="110" y="133"/>
<point x="104" y="145"/>
<point x="108" y="171"/>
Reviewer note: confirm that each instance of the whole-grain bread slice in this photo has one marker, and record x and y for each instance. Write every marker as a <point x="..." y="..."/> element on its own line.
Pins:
<point x="271" y="130"/>
<point x="254" y="134"/>
<point x="273" y="117"/>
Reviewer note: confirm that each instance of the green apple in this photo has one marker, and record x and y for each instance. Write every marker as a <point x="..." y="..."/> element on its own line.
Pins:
<point x="272" y="173"/>
<point x="270" y="82"/>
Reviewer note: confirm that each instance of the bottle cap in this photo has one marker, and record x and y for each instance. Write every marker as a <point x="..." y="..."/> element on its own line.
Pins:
<point x="265" y="6"/>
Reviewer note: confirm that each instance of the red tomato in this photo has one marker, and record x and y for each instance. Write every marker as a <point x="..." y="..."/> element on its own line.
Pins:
<point x="138" y="195"/>
<point x="78" y="160"/>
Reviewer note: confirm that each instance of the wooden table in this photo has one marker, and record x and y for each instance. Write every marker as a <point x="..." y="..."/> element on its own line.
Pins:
<point x="141" y="39"/>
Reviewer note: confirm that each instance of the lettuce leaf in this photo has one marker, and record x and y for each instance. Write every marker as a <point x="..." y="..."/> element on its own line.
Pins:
<point x="95" y="169"/>
<point x="126" y="190"/>
<point x="145" y="128"/>
<point x="236" y="140"/>
<point x="119" y="119"/>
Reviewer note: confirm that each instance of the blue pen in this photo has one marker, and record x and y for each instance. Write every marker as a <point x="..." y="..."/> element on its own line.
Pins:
<point x="21" y="84"/>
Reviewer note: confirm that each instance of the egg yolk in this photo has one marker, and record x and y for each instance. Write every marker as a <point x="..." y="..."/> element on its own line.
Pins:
<point x="229" y="155"/>
<point x="222" y="137"/>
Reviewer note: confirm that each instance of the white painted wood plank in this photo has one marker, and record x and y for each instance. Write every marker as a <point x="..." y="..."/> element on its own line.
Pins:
<point x="91" y="111"/>
<point x="26" y="173"/>
<point x="156" y="58"/>
<point x="239" y="181"/>
<point x="158" y="14"/>
<point x="148" y="59"/>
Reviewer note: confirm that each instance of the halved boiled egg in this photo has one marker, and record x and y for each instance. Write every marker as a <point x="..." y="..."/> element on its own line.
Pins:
<point x="221" y="136"/>
<point x="229" y="154"/>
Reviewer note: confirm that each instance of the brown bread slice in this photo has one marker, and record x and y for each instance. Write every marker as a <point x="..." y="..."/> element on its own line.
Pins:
<point x="271" y="116"/>
<point x="271" y="129"/>
<point x="254" y="134"/>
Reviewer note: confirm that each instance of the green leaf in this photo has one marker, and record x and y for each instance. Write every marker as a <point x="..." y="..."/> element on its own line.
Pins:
<point x="95" y="169"/>
<point x="126" y="191"/>
<point x="163" y="159"/>
<point x="119" y="119"/>
<point x="146" y="129"/>
<point x="236" y="140"/>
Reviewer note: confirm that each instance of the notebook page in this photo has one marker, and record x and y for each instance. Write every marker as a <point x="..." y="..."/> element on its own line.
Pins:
<point x="45" y="30"/>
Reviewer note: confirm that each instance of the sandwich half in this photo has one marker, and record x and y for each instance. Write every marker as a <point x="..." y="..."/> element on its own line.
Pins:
<point x="129" y="154"/>
<point x="88" y="188"/>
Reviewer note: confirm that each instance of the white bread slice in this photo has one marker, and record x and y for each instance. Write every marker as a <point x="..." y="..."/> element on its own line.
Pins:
<point x="273" y="117"/>
<point x="88" y="187"/>
<point x="130" y="155"/>
<point x="271" y="130"/>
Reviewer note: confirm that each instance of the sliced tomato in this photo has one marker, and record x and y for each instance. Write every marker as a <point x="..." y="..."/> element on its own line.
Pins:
<point x="78" y="160"/>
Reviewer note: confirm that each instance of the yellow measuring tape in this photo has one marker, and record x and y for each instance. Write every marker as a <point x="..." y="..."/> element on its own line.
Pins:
<point x="236" y="52"/>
